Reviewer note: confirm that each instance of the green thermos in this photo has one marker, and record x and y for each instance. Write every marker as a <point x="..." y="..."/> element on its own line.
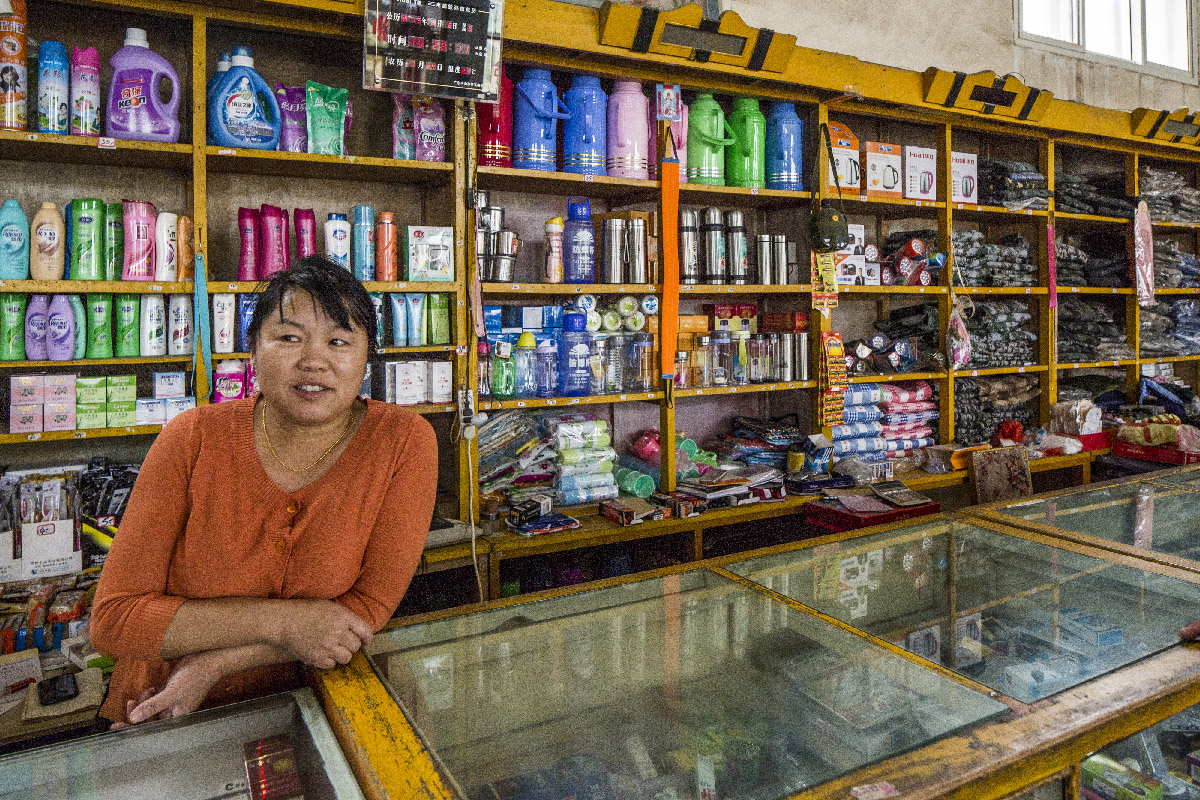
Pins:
<point x="748" y="154"/>
<point x="706" y="141"/>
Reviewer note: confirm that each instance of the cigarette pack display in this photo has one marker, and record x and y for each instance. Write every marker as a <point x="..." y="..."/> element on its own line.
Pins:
<point x="920" y="173"/>
<point x="881" y="170"/>
<point x="964" y="176"/>
<point x="429" y="253"/>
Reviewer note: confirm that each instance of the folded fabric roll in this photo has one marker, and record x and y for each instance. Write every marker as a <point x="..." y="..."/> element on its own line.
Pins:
<point x="855" y="414"/>
<point x="907" y="392"/>
<point x="856" y="430"/>
<point x="909" y="418"/>
<point x="891" y="432"/>
<point x="921" y="405"/>
<point x="845" y="447"/>
<point x="862" y="394"/>
<point x="894" y="445"/>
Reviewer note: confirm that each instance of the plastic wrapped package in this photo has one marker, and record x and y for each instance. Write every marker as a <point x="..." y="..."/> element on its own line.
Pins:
<point x="1076" y="418"/>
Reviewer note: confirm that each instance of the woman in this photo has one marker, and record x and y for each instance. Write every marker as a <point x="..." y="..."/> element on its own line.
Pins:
<point x="263" y="532"/>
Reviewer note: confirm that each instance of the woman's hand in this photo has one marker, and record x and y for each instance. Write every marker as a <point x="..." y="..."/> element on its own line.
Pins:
<point x="321" y="633"/>
<point x="190" y="682"/>
<point x="1191" y="630"/>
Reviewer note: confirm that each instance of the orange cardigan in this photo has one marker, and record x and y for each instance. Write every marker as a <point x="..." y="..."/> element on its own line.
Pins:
<point x="205" y="521"/>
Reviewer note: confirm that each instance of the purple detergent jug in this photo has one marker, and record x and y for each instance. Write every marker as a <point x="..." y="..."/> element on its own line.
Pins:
<point x="135" y="110"/>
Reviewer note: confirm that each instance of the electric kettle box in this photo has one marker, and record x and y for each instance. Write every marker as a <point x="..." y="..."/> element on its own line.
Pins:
<point x="851" y="260"/>
<point x="846" y="159"/>
<point x="964" y="174"/>
<point x="920" y="173"/>
<point x="881" y="170"/>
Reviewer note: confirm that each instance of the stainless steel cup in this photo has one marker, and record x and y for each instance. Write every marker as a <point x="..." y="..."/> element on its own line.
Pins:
<point x="612" y="251"/>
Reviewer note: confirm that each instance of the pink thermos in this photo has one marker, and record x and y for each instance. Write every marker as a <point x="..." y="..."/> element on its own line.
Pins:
<point x="496" y="127"/>
<point x="271" y="253"/>
<point x="306" y="232"/>
<point x="628" y="131"/>
<point x="248" y="225"/>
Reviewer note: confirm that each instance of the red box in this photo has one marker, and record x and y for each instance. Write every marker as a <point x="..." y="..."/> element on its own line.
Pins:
<point x="1163" y="455"/>
<point x="789" y="322"/>
<point x="833" y="516"/>
<point x="1104" y="440"/>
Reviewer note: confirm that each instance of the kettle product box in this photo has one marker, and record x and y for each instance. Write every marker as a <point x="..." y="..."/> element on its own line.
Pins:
<point x="89" y="416"/>
<point x="429" y="253"/>
<point x="964" y="176"/>
<point x="151" y="411"/>
<point x="852" y="260"/>
<point x="25" y="389"/>
<point x="871" y="273"/>
<point x="25" y="418"/>
<point x="59" y="389"/>
<point x="920" y="173"/>
<point x="91" y="390"/>
<point x="881" y="170"/>
<point x="169" y="384"/>
<point x="59" y="415"/>
<point x="848" y="173"/>
<point x="121" y="389"/>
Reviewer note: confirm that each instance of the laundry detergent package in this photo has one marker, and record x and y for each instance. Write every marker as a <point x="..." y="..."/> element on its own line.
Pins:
<point x="293" y="136"/>
<point x="325" y="112"/>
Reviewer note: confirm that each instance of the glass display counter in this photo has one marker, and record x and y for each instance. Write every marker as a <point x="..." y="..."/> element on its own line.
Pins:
<point x="1143" y="517"/>
<point x="1184" y="478"/>
<point x="1162" y="761"/>
<point x="280" y="743"/>
<point x="1026" y="619"/>
<point x="690" y="685"/>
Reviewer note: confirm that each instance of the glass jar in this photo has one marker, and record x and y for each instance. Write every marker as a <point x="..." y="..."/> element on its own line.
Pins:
<point x="683" y="369"/>
<point x="721" y="356"/>
<point x="740" y="352"/>
<point x="639" y="364"/>
<point x="614" y="382"/>
<point x="702" y="363"/>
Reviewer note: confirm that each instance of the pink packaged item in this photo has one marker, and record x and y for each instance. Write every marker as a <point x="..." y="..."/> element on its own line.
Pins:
<point x="921" y="405"/>
<point x="906" y="431"/>
<point x="229" y="381"/>
<point x="293" y="136"/>
<point x="25" y="418"/>
<point x="429" y="126"/>
<point x="140" y="218"/>
<point x="907" y="392"/>
<point x="59" y="416"/>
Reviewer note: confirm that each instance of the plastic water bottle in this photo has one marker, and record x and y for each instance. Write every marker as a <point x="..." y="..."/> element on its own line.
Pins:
<point x="546" y="370"/>
<point x="526" y="365"/>
<point x="579" y="242"/>
<point x="574" y="356"/>
<point x="503" y="372"/>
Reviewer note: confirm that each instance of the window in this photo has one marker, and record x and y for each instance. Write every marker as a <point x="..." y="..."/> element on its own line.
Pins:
<point x="1154" y="33"/>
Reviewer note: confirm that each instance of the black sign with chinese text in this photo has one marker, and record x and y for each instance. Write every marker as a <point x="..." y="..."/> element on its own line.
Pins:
<point x="441" y="48"/>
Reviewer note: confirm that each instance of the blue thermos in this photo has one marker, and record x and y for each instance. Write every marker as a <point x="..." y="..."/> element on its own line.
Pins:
<point x="785" y="141"/>
<point x="535" y="121"/>
<point x="584" y="133"/>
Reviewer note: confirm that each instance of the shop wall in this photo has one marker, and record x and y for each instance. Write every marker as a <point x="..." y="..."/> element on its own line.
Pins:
<point x="968" y="35"/>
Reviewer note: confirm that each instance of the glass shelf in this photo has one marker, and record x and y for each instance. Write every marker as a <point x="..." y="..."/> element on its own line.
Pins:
<point x="639" y="688"/>
<point x="194" y="757"/>
<point x="1006" y="612"/>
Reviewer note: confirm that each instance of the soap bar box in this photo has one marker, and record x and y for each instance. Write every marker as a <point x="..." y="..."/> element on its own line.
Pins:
<point x="26" y="389"/>
<point x="91" y="389"/>
<point x="121" y="389"/>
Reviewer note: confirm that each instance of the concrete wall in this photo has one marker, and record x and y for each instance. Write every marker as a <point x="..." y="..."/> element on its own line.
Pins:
<point x="968" y="35"/>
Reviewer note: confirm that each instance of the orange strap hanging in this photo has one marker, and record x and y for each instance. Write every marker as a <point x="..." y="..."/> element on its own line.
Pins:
<point x="668" y="220"/>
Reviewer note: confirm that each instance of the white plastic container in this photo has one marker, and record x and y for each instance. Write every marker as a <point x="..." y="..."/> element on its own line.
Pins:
<point x="153" y="319"/>
<point x="166" y="253"/>
<point x="224" y="322"/>
<point x="181" y="341"/>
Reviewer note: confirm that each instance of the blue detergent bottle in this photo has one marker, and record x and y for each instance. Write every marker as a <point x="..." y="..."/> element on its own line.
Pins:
<point x="243" y="111"/>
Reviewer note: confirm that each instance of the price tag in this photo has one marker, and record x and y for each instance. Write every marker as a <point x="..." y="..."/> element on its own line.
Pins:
<point x="733" y="389"/>
<point x="974" y="373"/>
<point x="589" y="178"/>
<point x="33" y="437"/>
<point x="1075" y="366"/>
<point x="1116" y="363"/>
<point x="921" y="289"/>
<point x="960" y="206"/>
<point x="1075" y="290"/>
<point x="106" y="143"/>
<point x="754" y="190"/>
<point x="574" y="402"/>
<point x="226" y="151"/>
<point x="520" y="404"/>
<point x="232" y="287"/>
<point x="460" y="350"/>
<point x="862" y="198"/>
<point x="154" y="287"/>
<point x="1029" y="212"/>
<point x="551" y="402"/>
<point x="516" y="287"/>
<point x="1116" y="291"/>
<point x="32" y="137"/>
<point x="1020" y="370"/>
<point x="1028" y="291"/>
<point x="772" y="388"/>
<point x="80" y="434"/>
<point x="622" y="397"/>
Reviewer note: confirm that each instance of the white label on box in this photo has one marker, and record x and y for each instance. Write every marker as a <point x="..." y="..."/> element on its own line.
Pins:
<point x="964" y="174"/>
<point x="441" y="379"/>
<point x="150" y="412"/>
<point x="48" y="549"/>
<point x="881" y="168"/>
<point x="920" y="173"/>
<point x="10" y="568"/>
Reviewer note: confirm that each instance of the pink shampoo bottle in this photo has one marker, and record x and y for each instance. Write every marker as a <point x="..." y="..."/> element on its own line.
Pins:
<point x="271" y="256"/>
<point x="248" y="227"/>
<point x="306" y="232"/>
<point x="140" y="218"/>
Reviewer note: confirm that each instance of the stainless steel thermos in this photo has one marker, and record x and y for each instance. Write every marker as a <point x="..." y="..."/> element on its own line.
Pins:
<point x="779" y="259"/>
<point x="737" y="255"/>
<point x="689" y="247"/>
<point x="712" y="232"/>
<point x="762" y="259"/>
<point x="636" y="266"/>
<point x="612" y="250"/>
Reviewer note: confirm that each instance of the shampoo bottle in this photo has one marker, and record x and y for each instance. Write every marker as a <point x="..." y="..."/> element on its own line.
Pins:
<point x="49" y="259"/>
<point x="385" y="248"/>
<point x="85" y="92"/>
<point x="35" y="327"/>
<point x="271" y="252"/>
<point x="224" y="326"/>
<point x="127" y="328"/>
<point x="186" y="248"/>
<point x="14" y="242"/>
<point x="60" y="329"/>
<point x="114" y="241"/>
<point x="180" y="342"/>
<point x="248" y="225"/>
<point x="306" y="232"/>
<point x="152" y="339"/>
<point x="337" y="239"/>
<point x="139" y="241"/>
<point x="86" y="242"/>
<point x="99" y="326"/>
<point x="363" y="238"/>
<point x="286" y="233"/>
<point x="81" y="325"/>
<point x="166" y="250"/>
<point x="12" y="327"/>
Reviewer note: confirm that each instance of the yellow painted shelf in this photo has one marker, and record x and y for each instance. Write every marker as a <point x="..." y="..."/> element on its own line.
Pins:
<point x="912" y="376"/>
<point x="973" y="373"/>
<point x="714" y="391"/>
<point x="1185" y="225"/>
<point x="432" y="408"/>
<point x="433" y="348"/>
<point x="529" y="181"/>
<point x="1178" y="291"/>
<point x="94" y="433"/>
<point x="557" y="402"/>
<point x="891" y="290"/>
<point x="888" y="201"/>
<point x="311" y="165"/>
<point x="1091" y="218"/>
<point x="57" y="148"/>
<point x="570" y="288"/>
<point x="97" y="362"/>
<point x="1168" y="359"/>
<point x="1030" y="290"/>
<point x="97" y="287"/>
<point x="1095" y="364"/>
<point x="702" y="194"/>
<point x="253" y="287"/>
<point x="1093" y="290"/>
<point x="704" y="290"/>
<point x="1000" y="210"/>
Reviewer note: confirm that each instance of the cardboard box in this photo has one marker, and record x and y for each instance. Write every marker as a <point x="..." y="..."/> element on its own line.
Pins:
<point x="531" y="318"/>
<point x="1110" y="778"/>
<point x="846" y="159"/>
<point x="121" y="389"/>
<point x="492" y="318"/>
<point x="48" y="549"/>
<point x="120" y="414"/>
<point x="440" y="381"/>
<point x="964" y="177"/>
<point x="169" y="384"/>
<point x="633" y="511"/>
<point x="784" y="322"/>
<point x="91" y="390"/>
<point x="692" y="323"/>
<point x="882" y="166"/>
<point x="26" y="389"/>
<point x="1163" y="455"/>
<point x="89" y="416"/>
<point x="177" y="405"/>
<point x="151" y="412"/>
<point x="25" y="418"/>
<point x="851" y="261"/>
<point x="59" y="388"/>
<point x="59" y="416"/>
<point x="429" y="253"/>
<point x="920" y="173"/>
<point x="529" y="509"/>
<point x="552" y="317"/>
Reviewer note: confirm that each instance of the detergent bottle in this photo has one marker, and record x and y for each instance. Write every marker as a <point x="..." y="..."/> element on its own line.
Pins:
<point x="135" y="109"/>
<point x="243" y="111"/>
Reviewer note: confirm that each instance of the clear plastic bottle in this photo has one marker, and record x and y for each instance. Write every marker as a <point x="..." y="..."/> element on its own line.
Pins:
<point x="484" y="353"/>
<point x="683" y="369"/>
<point x="526" y="365"/>
<point x="639" y="367"/>
<point x="740" y="350"/>
<point x="614" y="381"/>
<point x="554" y="250"/>
<point x="579" y="242"/>
<point x="546" y="372"/>
<point x="757" y="365"/>
<point x="722" y="359"/>
<point x="574" y="355"/>
<point x="599" y="363"/>
<point x="504" y="372"/>
<point x="702" y="376"/>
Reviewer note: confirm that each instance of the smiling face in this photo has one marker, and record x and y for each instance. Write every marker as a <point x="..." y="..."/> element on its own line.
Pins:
<point x="309" y="368"/>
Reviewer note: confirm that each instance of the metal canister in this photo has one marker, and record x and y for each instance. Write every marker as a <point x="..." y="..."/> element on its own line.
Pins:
<point x="785" y="356"/>
<point x="481" y="205"/>
<point x="635" y="251"/>
<point x="800" y="356"/>
<point x="492" y="219"/>
<point x="505" y="243"/>
<point x="483" y="253"/>
<point x="712" y="232"/>
<point x="689" y="247"/>
<point x="737" y="249"/>
<point x="762" y="259"/>
<point x="779" y="259"/>
<point x="503" y="268"/>
<point x="612" y="251"/>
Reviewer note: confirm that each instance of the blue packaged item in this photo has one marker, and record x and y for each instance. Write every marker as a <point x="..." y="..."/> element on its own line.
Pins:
<point x="579" y="242"/>
<point x="243" y="111"/>
<point x="785" y="148"/>
<point x="53" y="97"/>
<point x="574" y="356"/>
<point x="246" y="305"/>
<point x="224" y="62"/>
<point x="585" y="135"/>
<point x="492" y="316"/>
<point x="535" y="121"/>
<point x="399" y="320"/>
<point x="552" y="316"/>
<point x="362" y="239"/>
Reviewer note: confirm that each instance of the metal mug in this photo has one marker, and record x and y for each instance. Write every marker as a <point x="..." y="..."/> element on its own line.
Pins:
<point x="612" y="250"/>
<point x="635" y="251"/>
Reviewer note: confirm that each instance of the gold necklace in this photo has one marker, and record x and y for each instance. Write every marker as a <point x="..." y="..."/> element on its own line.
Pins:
<point x="284" y="464"/>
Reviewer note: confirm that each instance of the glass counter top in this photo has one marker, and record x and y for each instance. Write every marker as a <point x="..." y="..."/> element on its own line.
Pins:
<point x="1149" y="516"/>
<point x="283" y="741"/>
<point x="1187" y="479"/>
<point x="674" y="687"/>
<point x="1023" y="618"/>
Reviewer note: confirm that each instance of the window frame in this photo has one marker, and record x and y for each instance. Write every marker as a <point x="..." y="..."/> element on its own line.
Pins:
<point x="1079" y="51"/>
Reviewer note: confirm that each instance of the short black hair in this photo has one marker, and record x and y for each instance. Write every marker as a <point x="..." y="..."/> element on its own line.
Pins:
<point x="339" y="294"/>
